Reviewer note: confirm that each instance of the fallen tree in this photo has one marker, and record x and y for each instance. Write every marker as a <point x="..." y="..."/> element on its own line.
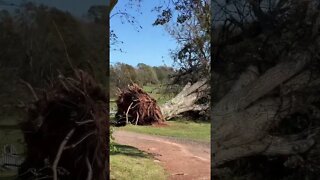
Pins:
<point x="66" y="131"/>
<point x="139" y="108"/>
<point x="248" y="120"/>
<point x="266" y="83"/>
<point x="242" y="118"/>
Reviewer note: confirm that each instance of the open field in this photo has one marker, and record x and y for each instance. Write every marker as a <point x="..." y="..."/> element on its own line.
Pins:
<point x="180" y="129"/>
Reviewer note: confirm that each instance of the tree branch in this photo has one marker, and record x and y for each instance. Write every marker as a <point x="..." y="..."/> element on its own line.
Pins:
<point x="59" y="153"/>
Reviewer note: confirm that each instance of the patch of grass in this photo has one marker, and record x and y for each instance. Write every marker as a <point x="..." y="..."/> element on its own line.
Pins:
<point x="130" y="163"/>
<point x="155" y="91"/>
<point x="149" y="88"/>
<point x="199" y="131"/>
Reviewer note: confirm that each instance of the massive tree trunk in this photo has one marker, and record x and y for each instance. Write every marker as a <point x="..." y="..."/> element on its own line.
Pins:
<point x="243" y="119"/>
<point x="187" y="100"/>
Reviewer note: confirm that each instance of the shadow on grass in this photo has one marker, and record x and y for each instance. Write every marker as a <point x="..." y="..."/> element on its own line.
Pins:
<point x="128" y="151"/>
<point x="188" y="119"/>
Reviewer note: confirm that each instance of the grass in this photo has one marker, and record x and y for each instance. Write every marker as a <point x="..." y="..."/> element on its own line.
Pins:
<point x="130" y="162"/>
<point x="155" y="92"/>
<point x="183" y="129"/>
<point x="112" y="105"/>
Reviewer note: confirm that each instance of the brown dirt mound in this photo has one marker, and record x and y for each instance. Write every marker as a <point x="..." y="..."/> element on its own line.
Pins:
<point x="137" y="107"/>
<point x="66" y="131"/>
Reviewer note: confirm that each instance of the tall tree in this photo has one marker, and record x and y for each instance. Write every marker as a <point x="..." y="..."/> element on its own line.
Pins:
<point x="191" y="29"/>
<point x="147" y="75"/>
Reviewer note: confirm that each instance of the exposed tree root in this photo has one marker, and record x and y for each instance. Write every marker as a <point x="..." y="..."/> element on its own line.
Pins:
<point x="137" y="107"/>
<point x="66" y="131"/>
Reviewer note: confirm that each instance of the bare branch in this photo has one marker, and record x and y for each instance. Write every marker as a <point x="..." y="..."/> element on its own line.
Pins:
<point x="89" y="177"/>
<point x="82" y="139"/>
<point x="59" y="153"/>
<point x="127" y="119"/>
<point x="84" y="122"/>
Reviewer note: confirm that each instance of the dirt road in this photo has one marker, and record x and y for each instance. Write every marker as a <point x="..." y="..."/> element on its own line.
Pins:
<point x="182" y="159"/>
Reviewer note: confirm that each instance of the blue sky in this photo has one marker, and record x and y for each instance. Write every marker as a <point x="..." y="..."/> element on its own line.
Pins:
<point x="150" y="46"/>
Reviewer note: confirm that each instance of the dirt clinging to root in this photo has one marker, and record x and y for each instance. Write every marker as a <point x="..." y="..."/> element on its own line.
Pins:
<point x="137" y="107"/>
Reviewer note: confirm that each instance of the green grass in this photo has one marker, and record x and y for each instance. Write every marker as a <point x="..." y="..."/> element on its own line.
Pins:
<point x="130" y="163"/>
<point x="155" y="92"/>
<point x="113" y="105"/>
<point x="184" y="129"/>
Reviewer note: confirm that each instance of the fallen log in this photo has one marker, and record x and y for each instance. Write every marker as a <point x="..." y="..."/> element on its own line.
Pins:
<point x="66" y="131"/>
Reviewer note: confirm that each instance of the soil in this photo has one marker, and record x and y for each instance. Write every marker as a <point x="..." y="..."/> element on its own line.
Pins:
<point x="182" y="159"/>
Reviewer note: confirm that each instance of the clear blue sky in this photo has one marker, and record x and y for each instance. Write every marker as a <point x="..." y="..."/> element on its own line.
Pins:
<point x="150" y="46"/>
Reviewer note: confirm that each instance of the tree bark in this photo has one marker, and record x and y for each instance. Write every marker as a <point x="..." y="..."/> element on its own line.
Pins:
<point x="243" y="117"/>
<point x="186" y="100"/>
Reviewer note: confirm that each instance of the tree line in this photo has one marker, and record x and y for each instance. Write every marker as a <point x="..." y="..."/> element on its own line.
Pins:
<point x="122" y="74"/>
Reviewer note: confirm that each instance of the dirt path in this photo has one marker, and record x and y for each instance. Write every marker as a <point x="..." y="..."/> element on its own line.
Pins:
<point x="182" y="159"/>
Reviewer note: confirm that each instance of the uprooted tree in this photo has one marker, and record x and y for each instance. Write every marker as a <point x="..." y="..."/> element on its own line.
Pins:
<point x="139" y="108"/>
<point x="265" y="96"/>
<point x="136" y="106"/>
<point x="66" y="131"/>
